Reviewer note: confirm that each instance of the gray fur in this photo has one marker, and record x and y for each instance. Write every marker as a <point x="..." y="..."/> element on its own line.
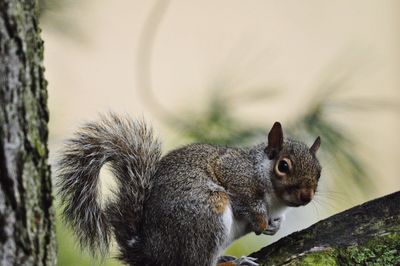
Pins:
<point x="165" y="211"/>
<point x="133" y="154"/>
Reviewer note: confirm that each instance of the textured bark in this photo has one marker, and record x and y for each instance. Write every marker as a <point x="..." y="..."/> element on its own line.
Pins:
<point x="26" y="212"/>
<point x="368" y="234"/>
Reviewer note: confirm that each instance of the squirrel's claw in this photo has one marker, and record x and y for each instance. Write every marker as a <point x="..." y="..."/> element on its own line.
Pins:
<point x="242" y="261"/>
<point x="226" y="259"/>
<point x="273" y="226"/>
<point x="246" y="261"/>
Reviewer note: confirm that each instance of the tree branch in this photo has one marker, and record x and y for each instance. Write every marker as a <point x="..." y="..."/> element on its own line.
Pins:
<point x="368" y="234"/>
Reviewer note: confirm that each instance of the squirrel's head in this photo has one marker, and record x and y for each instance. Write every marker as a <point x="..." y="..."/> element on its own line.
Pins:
<point x="295" y="167"/>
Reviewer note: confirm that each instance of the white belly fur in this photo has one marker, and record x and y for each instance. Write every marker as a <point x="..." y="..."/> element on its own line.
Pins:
<point x="234" y="228"/>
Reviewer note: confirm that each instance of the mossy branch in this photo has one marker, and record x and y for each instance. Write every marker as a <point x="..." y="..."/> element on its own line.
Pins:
<point x="368" y="234"/>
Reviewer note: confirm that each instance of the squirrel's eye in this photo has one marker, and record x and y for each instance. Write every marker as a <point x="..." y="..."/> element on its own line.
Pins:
<point x="283" y="167"/>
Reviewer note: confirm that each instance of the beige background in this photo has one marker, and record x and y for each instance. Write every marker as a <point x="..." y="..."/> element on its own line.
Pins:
<point x="91" y="63"/>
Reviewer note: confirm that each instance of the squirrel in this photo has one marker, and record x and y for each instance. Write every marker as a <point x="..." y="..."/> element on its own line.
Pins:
<point x="183" y="208"/>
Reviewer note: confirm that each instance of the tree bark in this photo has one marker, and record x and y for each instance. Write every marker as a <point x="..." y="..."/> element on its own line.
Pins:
<point x="368" y="234"/>
<point x="26" y="210"/>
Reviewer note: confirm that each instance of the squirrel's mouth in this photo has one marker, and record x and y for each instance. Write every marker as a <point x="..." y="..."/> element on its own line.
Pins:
<point x="294" y="195"/>
<point x="299" y="197"/>
<point x="292" y="204"/>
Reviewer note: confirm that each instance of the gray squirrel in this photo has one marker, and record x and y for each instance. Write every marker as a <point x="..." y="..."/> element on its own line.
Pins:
<point x="183" y="208"/>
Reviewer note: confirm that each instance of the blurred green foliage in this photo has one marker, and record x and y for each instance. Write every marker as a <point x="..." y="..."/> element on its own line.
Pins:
<point x="217" y="125"/>
<point x="69" y="251"/>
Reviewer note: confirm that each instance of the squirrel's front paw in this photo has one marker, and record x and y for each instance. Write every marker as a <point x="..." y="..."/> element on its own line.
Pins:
<point x="260" y="224"/>
<point x="242" y="261"/>
<point x="273" y="226"/>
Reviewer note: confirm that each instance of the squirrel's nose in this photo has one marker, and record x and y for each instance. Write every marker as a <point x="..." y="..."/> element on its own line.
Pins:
<point x="306" y="195"/>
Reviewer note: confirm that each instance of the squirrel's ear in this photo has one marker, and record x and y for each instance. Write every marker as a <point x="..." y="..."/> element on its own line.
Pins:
<point x="314" y="148"/>
<point x="275" y="141"/>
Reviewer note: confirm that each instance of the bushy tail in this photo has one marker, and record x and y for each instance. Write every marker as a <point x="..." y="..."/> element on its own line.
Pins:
<point x="132" y="153"/>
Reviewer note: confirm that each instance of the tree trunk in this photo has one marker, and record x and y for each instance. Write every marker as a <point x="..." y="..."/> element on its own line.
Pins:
<point x="26" y="210"/>
<point x="368" y="234"/>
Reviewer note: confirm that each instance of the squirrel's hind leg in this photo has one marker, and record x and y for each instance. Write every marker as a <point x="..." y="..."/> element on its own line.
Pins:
<point x="193" y="232"/>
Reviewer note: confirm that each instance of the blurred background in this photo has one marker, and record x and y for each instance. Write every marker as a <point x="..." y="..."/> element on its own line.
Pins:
<point x="223" y="72"/>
